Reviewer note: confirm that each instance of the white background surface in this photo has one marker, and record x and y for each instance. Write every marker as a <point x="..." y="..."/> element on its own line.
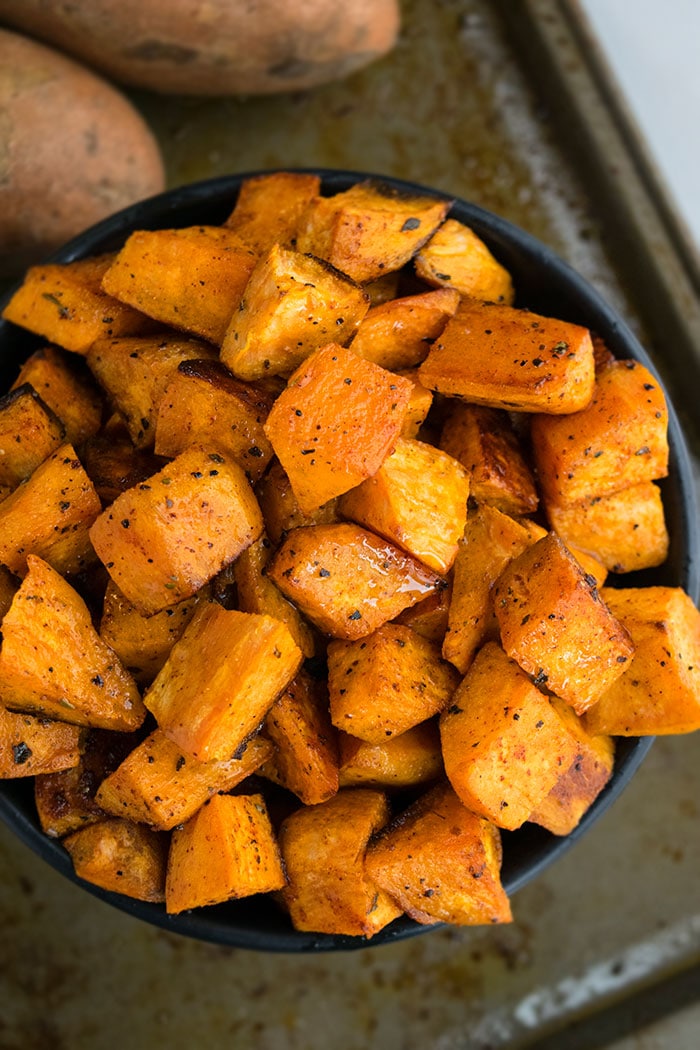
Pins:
<point x="654" y="50"/>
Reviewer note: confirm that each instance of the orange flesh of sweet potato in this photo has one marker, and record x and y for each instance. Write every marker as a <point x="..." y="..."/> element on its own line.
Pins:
<point x="429" y="617"/>
<point x="269" y="208"/>
<point x="414" y="757"/>
<point x="29" y="433"/>
<point x="455" y="257"/>
<point x="30" y="745"/>
<point x="419" y="404"/>
<point x="441" y="863"/>
<point x="226" y="850"/>
<point x="396" y="334"/>
<point x="165" y="538"/>
<point x="120" y="856"/>
<point x="512" y="359"/>
<point x="66" y="389"/>
<point x="54" y="663"/>
<point x="221" y="679"/>
<point x="280" y="508"/>
<point x="335" y="423"/>
<point x="348" y="581"/>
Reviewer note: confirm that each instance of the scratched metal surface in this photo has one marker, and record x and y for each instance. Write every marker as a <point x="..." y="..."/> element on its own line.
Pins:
<point x="621" y="911"/>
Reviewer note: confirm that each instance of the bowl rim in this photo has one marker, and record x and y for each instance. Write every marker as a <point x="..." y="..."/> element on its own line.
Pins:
<point x="215" y="924"/>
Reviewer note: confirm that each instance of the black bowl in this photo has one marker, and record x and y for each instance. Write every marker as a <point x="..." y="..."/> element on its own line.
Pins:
<point x="544" y="284"/>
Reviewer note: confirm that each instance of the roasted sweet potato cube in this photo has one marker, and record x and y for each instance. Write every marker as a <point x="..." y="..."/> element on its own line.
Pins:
<point x="30" y="745"/>
<point x="624" y="531"/>
<point x="280" y="508"/>
<point x="455" y="257"/>
<point x="417" y="499"/>
<point x="269" y="207"/>
<point x="429" y="617"/>
<point x="227" y="850"/>
<point x="441" y="863"/>
<point x="419" y="404"/>
<point x="618" y="440"/>
<point x="512" y="359"/>
<point x="53" y="662"/>
<point x="335" y="423"/>
<point x="575" y="791"/>
<point x="484" y="441"/>
<point x="221" y="679"/>
<point x="204" y="404"/>
<point x="165" y="538"/>
<point x="135" y="372"/>
<point x="142" y="642"/>
<point x="383" y="288"/>
<point x="293" y="304"/>
<point x="258" y="594"/>
<point x="590" y="564"/>
<point x="113" y="464"/>
<point x="347" y="580"/>
<point x="503" y="743"/>
<point x="555" y="624"/>
<point x="29" y="433"/>
<point x="191" y="278"/>
<point x="122" y="857"/>
<point x="306" y="751"/>
<point x="67" y="305"/>
<point x="68" y="390"/>
<point x="491" y="540"/>
<point x="50" y="514"/>
<point x="402" y="761"/>
<point x="386" y="683"/>
<point x="323" y="848"/>
<point x="157" y="784"/>
<point x="9" y="584"/>
<point x="659" y="692"/>
<point x="397" y="333"/>
<point x="369" y="229"/>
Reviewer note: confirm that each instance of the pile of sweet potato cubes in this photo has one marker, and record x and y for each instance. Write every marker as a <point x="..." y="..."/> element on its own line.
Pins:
<point x="304" y="536"/>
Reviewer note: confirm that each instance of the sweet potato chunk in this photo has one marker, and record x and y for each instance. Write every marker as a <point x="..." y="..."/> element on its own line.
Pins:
<point x="417" y="499"/>
<point x="396" y="334"/>
<point x="430" y="616"/>
<point x="402" y="761"/>
<point x="135" y="371"/>
<point x="258" y="594"/>
<point x="512" y="359"/>
<point x="419" y="404"/>
<point x="503" y="743"/>
<point x="157" y="784"/>
<point x="226" y="850"/>
<point x="618" y="440"/>
<point x="191" y="278"/>
<point x="306" y="752"/>
<point x="455" y="257"/>
<point x="554" y="623"/>
<point x="121" y="857"/>
<point x="280" y="508"/>
<point x="53" y="662"/>
<point x="659" y="692"/>
<point x="67" y="389"/>
<point x="335" y="423"/>
<point x="323" y="848"/>
<point x="165" y="538"/>
<point x="204" y="404"/>
<point x="387" y="683"/>
<point x="50" y="514"/>
<point x="441" y="863"/>
<point x="67" y="305"/>
<point x="29" y="433"/>
<point x="483" y="440"/>
<point x="269" y="208"/>
<point x="369" y="229"/>
<point x="221" y="679"/>
<point x="30" y="745"/>
<point x="348" y="581"/>
<point x="293" y="304"/>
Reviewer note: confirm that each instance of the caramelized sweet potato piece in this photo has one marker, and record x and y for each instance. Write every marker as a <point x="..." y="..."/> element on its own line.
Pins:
<point x="191" y="278"/>
<point x="455" y="257"/>
<point x="503" y="743"/>
<point x="53" y="662"/>
<point x="419" y="404"/>
<point x="113" y="464"/>
<point x="280" y="508"/>
<point x="221" y="679"/>
<point x="335" y="423"/>
<point x="30" y="745"/>
<point x="323" y="848"/>
<point x="441" y="863"/>
<point x="258" y="594"/>
<point x="512" y="359"/>
<point x="397" y="333"/>
<point x="165" y="538"/>
<point x="269" y="208"/>
<point x="66" y="388"/>
<point x="121" y="857"/>
<point x="417" y="499"/>
<point x="348" y="581"/>
<point x="157" y="784"/>
<point x="402" y="761"/>
<point x="29" y="433"/>
<point x="429" y="617"/>
<point x="226" y="850"/>
<point x="386" y="683"/>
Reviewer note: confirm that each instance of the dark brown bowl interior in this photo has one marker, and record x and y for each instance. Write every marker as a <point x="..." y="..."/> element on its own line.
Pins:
<point x="545" y="284"/>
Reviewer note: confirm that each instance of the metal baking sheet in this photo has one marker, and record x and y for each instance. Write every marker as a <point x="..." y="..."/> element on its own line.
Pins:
<point x="618" y="918"/>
